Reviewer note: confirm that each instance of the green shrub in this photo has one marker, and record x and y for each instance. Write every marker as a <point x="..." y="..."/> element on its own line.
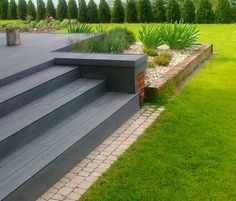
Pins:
<point x="131" y="15"/>
<point x="144" y="11"/>
<point x="115" y="43"/>
<point x="117" y="15"/>
<point x="163" y="59"/>
<point x="12" y="10"/>
<point x="31" y="10"/>
<point x="80" y="28"/>
<point x="22" y="10"/>
<point x="50" y="9"/>
<point x="173" y="11"/>
<point x="56" y="24"/>
<point x="151" y="36"/>
<point x="205" y="13"/>
<point x="33" y="24"/>
<point x="41" y="10"/>
<point x="150" y="52"/>
<point x="96" y="46"/>
<point x="72" y="9"/>
<point x="159" y="12"/>
<point x="104" y="12"/>
<point x="124" y="32"/>
<point x="65" y="23"/>
<point x="61" y="11"/>
<point x="3" y="9"/>
<point x="92" y="12"/>
<point x="179" y="36"/>
<point x="223" y="11"/>
<point x="151" y="64"/>
<point x="82" y="11"/>
<point x="188" y="11"/>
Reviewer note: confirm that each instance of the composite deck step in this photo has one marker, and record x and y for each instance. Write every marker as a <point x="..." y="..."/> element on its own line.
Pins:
<point x="26" y="123"/>
<point x="31" y="169"/>
<point x="22" y="91"/>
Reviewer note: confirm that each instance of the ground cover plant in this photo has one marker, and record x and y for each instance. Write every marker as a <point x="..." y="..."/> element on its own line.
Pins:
<point x="189" y="152"/>
<point x="114" y="41"/>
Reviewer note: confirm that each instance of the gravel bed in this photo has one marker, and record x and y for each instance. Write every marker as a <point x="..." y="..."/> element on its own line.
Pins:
<point x="152" y="74"/>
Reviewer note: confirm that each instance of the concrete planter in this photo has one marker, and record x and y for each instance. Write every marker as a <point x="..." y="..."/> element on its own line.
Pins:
<point x="13" y="36"/>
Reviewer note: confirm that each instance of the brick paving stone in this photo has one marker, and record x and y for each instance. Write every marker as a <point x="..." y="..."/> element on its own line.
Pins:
<point x="74" y="196"/>
<point x="58" y="197"/>
<point x="65" y="191"/>
<point x="85" y="173"/>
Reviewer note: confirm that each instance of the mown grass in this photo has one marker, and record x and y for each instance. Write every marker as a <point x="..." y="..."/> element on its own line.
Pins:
<point x="5" y="22"/>
<point x="189" y="153"/>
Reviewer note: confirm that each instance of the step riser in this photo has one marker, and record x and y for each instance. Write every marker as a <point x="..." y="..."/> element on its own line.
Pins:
<point x="20" y="100"/>
<point x="44" y="179"/>
<point x="30" y="132"/>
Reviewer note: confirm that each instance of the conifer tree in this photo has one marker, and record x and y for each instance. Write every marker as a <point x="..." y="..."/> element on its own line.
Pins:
<point x="205" y="13"/>
<point x="173" y="11"/>
<point x="50" y="9"/>
<point x="72" y="9"/>
<point x="188" y="11"/>
<point x="12" y="10"/>
<point x="3" y="9"/>
<point x="31" y="11"/>
<point x="92" y="12"/>
<point x="223" y="11"/>
<point x="131" y="15"/>
<point x="233" y="3"/>
<point x="22" y="10"/>
<point x="61" y="10"/>
<point x="117" y="15"/>
<point x="159" y="12"/>
<point x="145" y="11"/>
<point x="41" y="10"/>
<point x="104" y="12"/>
<point x="82" y="11"/>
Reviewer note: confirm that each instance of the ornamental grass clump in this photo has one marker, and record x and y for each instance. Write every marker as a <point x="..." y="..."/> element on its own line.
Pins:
<point x="180" y="36"/>
<point x="151" y="36"/>
<point x="80" y="28"/>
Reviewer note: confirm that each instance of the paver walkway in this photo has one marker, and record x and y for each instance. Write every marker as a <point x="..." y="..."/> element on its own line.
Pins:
<point x="85" y="173"/>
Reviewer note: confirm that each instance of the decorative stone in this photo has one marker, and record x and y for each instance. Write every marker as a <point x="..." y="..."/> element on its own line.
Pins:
<point x="13" y="36"/>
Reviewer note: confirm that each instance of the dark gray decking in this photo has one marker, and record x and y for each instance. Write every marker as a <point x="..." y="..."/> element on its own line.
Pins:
<point x="56" y="107"/>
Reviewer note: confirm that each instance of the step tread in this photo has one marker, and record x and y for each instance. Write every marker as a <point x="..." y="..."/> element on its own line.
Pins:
<point x="20" y="86"/>
<point x="28" y="160"/>
<point x="35" y="110"/>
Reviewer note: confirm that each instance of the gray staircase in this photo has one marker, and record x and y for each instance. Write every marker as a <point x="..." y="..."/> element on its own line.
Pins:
<point x="49" y="121"/>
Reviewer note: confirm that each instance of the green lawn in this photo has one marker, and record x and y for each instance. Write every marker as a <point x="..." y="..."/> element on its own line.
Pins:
<point x="189" y="153"/>
<point x="5" y="22"/>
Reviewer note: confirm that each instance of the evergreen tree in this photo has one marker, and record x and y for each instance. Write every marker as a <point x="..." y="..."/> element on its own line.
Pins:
<point x="117" y="15"/>
<point x="159" y="12"/>
<point x="3" y="9"/>
<point x="12" y="10"/>
<point x="61" y="10"/>
<point x="173" y="11"/>
<point x="233" y="3"/>
<point x="223" y="11"/>
<point x="82" y="11"/>
<point x="188" y="11"/>
<point x="131" y="15"/>
<point x="205" y="13"/>
<point x="145" y="11"/>
<point x="92" y="12"/>
<point x="22" y="10"/>
<point x="50" y="9"/>
<point x="72" y="9"/>
<point x="41" y="10"/>
<point x="104" y="13"/>
<point x="31" y="11"/>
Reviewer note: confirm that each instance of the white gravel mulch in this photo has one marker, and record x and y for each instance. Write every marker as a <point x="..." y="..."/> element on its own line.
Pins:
<point x="152" y="74"/>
